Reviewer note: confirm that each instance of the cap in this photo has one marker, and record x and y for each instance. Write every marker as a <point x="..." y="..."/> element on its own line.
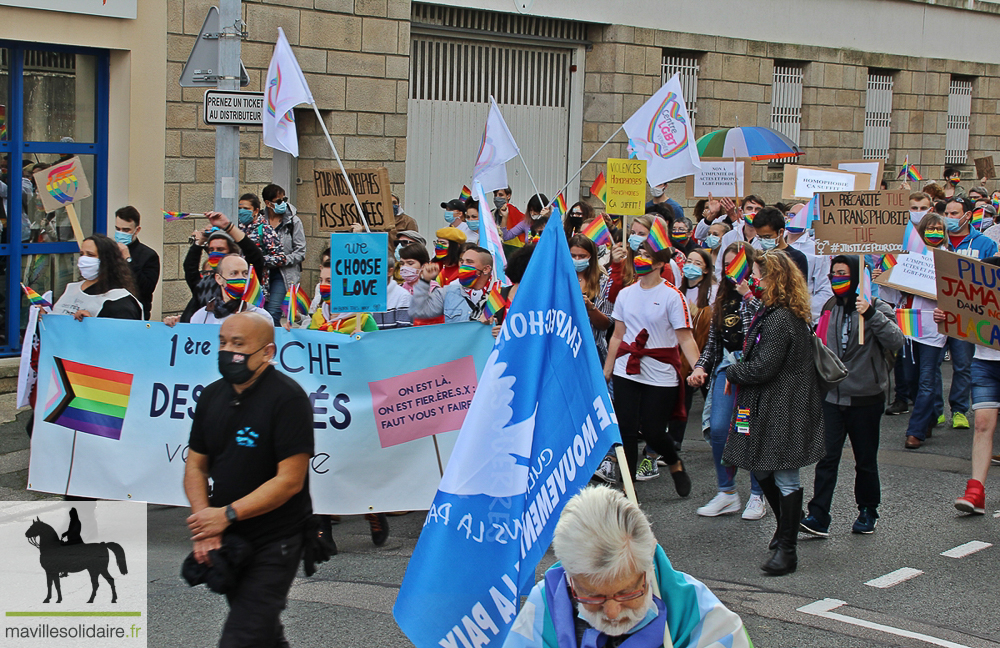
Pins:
<point x="413" y="234"/>
<point x="451" y="234"/>
<point x="455" y="204"/>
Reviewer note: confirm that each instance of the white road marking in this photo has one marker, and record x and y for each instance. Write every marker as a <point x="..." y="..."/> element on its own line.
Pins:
<point x="894" y="578"/>
<point x="822" y="608"/>
<point x="963" y="550"/>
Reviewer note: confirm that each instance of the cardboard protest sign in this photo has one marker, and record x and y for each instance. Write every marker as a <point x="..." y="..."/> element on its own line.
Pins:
<point x="335" y="209"/>
<point x="716" y="177"/>
<point x="874" y="168"/>
<point x="801" y="182"/>
<point x="358" y="272"/>
<point x="968" y="294"/>
<point x="985" y="168"/>
<point x="626" y="187"/>
<point x="862" y="222"/>
<point x="913" y="273"/>
<point x="63" y="183"/>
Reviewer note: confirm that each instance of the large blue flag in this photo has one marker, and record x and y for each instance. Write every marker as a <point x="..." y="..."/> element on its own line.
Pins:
<point x="538" y="426"/>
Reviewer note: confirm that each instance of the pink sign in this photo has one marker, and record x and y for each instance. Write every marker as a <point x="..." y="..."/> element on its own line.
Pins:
<point x="425" y="402"/>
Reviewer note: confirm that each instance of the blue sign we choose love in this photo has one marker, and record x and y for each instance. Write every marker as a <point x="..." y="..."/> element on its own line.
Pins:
<point x="358" y="272"/>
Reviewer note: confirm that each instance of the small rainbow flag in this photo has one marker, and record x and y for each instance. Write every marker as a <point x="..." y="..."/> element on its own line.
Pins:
<point x="214" y="258"/>
<point x="466" y="193"/>
<point x="495" y="302"/>
<point x="92" y="400"/>
<point x="254" y="292"/>
<point x="739" y="268"/>
<point x="324" y="292"/>
<point x="35" y="298"/>
<point x="909" y="321"/>
<point x="995" y="200"/>
<point x="296" y="303"/>
<point x="909" y="172"/>
<point x="659" y="237"/>
<point x="978" y="218"/>
<point x="912" y="241"/>
<point x="865" y="285"/>
<point x="597" y="231"/>
<point x="559" y="208"/>
<point x="887" y="262"/>
<point x="600" y="188"/>
<point x="170" y="216"/>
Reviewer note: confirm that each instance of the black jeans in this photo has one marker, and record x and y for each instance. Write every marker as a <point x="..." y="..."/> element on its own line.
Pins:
<point x="255" y="604"/>
<point x="677" y="427"/>
<point x="861" y="424"/>
<point x="647" y="408"/>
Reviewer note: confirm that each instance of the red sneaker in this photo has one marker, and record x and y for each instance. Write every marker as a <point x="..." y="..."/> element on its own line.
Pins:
<point x="974" y="500"/>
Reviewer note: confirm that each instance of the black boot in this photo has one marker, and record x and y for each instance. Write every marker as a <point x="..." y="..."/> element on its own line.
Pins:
<point x="784" y="561"/>
<point x="773" y="496"/>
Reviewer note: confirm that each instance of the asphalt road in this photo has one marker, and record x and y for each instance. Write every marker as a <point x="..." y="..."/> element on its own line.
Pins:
<point x="826" y="603"/>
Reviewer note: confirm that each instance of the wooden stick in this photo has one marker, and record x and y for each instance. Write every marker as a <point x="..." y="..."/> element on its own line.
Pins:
<point x="861" y="319"/>
<point x="623" y="469"/>
<point x="437" y="451"/>
<point x="75" y="223"/>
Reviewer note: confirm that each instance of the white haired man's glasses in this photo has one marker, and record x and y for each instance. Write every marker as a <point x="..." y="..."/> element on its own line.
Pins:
<point x="601" y="600"/>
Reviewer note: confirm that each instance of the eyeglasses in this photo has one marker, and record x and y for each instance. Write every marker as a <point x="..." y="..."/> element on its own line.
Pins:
<point x="280" y="200"/>
<point x="601" y="600"/>
<point x="576" y="213"/>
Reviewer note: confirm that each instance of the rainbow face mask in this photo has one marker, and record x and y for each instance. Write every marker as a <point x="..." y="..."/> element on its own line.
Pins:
<point x="841" y="284"/>
<point x="642" y="265"/>
<point x="934" y="237"/>
<point x="235" y="287"/>
<point x="440" y="249"/>
<point x="467" y="275"/>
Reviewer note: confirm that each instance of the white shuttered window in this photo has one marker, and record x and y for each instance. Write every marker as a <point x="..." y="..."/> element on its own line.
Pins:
<point x="878" y="116"/>
<point x="687" y="68"/>
<point x="786" y="101"/>
<point x="956" y="141"/>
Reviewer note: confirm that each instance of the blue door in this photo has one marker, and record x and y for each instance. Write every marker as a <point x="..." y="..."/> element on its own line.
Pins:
<point x="53" y="105"/>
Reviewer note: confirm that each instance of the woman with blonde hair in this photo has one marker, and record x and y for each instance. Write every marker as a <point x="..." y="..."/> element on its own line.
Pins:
<point x="777" y="426"/>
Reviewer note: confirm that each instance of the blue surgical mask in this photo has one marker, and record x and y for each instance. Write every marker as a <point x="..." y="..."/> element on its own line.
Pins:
<point x="953" y="224"/>
<point x="473" y="225"/>
<point x="280" y="208"/>
<point x="449" y="217"/>
<point x="245" y="216"/>
<point x="712" y="241"/>
<point x="768" y="244"/>
<point x="399" y="246"/>
<point x="123" y="237"/>
<point x="395" y="210"/>
<point x="581" y="265"/>
<point x="634" y="241"/>
<point x="692" y="272"/>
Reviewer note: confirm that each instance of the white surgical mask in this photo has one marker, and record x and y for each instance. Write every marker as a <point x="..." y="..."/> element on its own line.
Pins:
<point x="89" y="267"/>
<point x="657" y="191"/>
<point x="917" y="216"/>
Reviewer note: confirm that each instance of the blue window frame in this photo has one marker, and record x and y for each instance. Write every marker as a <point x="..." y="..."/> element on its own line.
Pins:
<point x="26" y="255"/>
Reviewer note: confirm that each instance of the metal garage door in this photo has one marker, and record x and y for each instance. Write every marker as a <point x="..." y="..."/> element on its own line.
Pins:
<point x="451" y="80"/>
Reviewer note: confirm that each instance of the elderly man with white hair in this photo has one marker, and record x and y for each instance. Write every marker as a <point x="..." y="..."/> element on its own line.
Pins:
<point x="614" y="586"/>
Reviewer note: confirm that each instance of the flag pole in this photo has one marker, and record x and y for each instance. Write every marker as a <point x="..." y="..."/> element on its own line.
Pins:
<point x="533" y="185"/>
<point x="357" y="203"/>
<point x="861" y="320"/>
<point x="589" y="160"/>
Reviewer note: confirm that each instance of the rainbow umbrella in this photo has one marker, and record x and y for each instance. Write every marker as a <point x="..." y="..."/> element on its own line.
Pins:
<point x="753" y="142"/>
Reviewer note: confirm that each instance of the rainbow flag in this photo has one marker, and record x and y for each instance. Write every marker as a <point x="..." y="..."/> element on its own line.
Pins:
<point x="659" y="237"/>
<point x="909" y="321"/>
<point x="600" y="188"/>
<point x="978" y="218"/>
<point x="912" y="241"/>
<point x="909" y="172"/>
<point x="495" y="302"/>
<point x="92" y="400"/>
<point x="597" y="231"/>
<point x="995" y="200"/>
<point x="170" y="216"/>
<point x="887" y="262"/>
<point x="559" y="208"/>
<point x="466" y="193"/>
<point x="35" y="298"/>
<point x="214" y="258"/>
<point x="296" y="303"/>
<point x="865" y="285"/>
<point x="253" y="294"/>
<point x="739" y="268"/>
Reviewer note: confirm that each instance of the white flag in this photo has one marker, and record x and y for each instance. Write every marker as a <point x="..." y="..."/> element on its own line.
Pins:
<point x="660" y="133"/>
<point x="286" y="88"/>
<point x="498" y="146"/>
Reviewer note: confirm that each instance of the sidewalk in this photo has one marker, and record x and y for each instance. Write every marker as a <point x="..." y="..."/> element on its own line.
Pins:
<point x="14" y="452"/>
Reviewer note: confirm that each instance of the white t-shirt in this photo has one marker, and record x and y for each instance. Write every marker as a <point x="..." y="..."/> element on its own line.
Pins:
<point x="660" y="310"/>
<point x="930" y="336"/>
<point x="202" y="316"/>
<point x="692" y="293"/>
<point x="986" y="353"/>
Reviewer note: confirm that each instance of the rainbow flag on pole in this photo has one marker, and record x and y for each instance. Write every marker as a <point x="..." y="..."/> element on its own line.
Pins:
<point x="296" y="303"/>
<point x="909" y="172"/>
<point x="739" y="268"/>
<point x="170" y="216"/>
<point x="600" y="188"/>
<point x="92" y="400"/>
<point x="466" y="193"/>
<point x="909" y="321"/>
<point x="495" y="302"/>
<point x="253" y="294"/>
<point x="35" y="298"/>
<point x="659" y="238"/>
<point x="559" y="208"/>
<point x="597" y="231"/>
<point x="888" y="262"/>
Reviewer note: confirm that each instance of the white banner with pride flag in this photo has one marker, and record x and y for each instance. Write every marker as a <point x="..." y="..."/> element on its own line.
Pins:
<point x="285" y="88"/>
<point x="661" y="133"/>
<point x="536" y="430"/>
<point x="496" y="149"/>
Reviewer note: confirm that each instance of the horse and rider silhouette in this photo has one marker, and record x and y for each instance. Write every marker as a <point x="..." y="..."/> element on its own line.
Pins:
<point x="59" y="558"/>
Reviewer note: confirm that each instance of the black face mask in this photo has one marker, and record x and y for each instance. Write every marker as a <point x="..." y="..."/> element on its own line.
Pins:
<point x="234" y="367"/>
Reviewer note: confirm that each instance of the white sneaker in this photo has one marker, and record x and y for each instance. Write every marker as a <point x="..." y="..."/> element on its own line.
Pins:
<point x="607" y="471"/>
<point x="721" y="504"/>
<point x="755" y="509"/>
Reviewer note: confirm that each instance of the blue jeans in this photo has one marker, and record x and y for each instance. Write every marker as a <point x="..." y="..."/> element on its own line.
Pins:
<point x="928" y="367"/>
<point x="722" y="415"/>
<point x="961" y="378"/>
<point x="276" y="296"/>
<point x="905" y="373"/>
<point x="787" y="481"/>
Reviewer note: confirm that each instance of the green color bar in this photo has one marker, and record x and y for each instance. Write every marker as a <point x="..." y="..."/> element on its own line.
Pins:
<point x="74" y="614"/>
